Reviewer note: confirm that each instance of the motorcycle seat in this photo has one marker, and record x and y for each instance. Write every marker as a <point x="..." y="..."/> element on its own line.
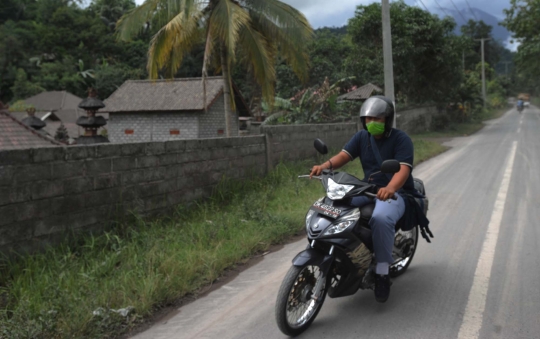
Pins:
<point x="366" y="212"/>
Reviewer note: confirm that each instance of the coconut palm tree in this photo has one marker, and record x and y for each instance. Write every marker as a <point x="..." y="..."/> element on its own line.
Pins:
<point x="250" y="31"/>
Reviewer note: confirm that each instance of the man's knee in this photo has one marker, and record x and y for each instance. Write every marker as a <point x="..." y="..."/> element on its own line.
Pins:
<point x="381" y="220"/>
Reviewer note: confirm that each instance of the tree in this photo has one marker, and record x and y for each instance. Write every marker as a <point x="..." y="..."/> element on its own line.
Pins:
<point x="522" y="19"/>
<point x="473" y="31"/>
<point x="22" y="88"/>
<point x="424" y="52"/>
<point x="249" y="31"/>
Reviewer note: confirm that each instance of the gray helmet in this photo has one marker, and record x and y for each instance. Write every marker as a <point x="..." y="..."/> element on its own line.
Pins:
<point x="378" y="106"/>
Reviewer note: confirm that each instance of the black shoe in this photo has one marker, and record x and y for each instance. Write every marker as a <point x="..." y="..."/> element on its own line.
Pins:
<point x="382" y="287"/>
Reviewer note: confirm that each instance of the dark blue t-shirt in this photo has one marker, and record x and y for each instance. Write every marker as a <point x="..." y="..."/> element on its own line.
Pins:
<point x="398" y="145"/>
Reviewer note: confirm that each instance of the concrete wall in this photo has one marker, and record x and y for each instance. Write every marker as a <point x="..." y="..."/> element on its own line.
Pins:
<point x="295" y="142"/>
<point x="48" y="193"/>
<point x="417" y="120"/>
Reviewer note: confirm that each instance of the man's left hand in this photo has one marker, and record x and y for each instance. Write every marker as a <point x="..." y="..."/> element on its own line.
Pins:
<point x="385" y="193"/>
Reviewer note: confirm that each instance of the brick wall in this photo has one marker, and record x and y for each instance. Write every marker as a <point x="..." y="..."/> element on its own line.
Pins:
<point x="214" y="120"/>
<point x="165" y="126"/>
<point x="46" y="193"/>
<point x="146" y="127"/>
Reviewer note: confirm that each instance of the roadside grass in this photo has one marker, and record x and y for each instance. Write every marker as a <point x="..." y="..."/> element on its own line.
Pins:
<point x="110" y="283"/>
<point x="463" y="129"/>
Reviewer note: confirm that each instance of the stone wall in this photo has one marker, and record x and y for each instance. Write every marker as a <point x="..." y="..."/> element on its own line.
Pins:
<point x="48" y="193"/>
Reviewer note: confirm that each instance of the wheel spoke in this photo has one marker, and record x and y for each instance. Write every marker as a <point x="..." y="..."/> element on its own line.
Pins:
<point x="300" y="310"/>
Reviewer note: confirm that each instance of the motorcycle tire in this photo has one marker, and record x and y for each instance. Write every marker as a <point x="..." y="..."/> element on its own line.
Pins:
<point x="296" y="288"/>
<point x="399" y="267"/>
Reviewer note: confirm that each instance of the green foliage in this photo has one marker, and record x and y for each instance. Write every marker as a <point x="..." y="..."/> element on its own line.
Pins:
<point x="493" y="50"/>
<point x="424" y="52"/>
<point x="58" y="44"/>
<point x="317" y="104"/>
<point x="522" y="19"/>
<point x="22" y="88"/>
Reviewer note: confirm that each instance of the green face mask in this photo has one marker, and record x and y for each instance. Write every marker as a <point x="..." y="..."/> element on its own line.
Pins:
<point x="375" y="128"/>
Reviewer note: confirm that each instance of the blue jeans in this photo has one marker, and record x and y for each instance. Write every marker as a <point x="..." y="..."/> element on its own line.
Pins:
<point x="383" y="222"/>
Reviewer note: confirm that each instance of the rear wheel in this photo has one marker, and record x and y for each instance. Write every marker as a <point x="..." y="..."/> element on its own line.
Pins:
<point x="300" y="299"/>
<point x="404" y="249"/>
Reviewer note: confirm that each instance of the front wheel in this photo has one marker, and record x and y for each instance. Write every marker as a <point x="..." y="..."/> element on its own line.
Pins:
<point x="300" y="299"/>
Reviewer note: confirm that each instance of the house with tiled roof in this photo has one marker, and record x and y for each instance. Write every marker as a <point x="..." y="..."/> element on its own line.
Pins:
<point x="16" y="135"/>
<point x="56" y="108"/>
<point x="161" y="110"/>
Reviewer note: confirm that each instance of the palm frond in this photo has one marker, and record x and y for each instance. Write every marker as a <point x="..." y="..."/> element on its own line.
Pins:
<point x="271" y="119"/>
<point x="260" y="55"/>
<point x="170" y="44"/>
<point x="132" y="23"/>
<point x="226" y="21"/>
<point x="287" y="28"/>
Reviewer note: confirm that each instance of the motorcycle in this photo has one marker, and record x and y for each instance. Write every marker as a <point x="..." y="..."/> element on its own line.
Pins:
<point x="519" y="108"/>
<point x="339" y="259"/>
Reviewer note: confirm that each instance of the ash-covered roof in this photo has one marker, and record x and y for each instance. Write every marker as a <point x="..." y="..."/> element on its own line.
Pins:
<point x="164" y="95"/>
<point x="16" y="135"/>
<point x="361" y="93"/>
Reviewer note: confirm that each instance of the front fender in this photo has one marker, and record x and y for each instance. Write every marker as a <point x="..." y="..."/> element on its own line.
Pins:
<point x="314" y="258"/>
<point x="308" y="257"/>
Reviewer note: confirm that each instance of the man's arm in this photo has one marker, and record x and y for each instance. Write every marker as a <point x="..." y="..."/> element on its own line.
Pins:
<point x="398" y="180"/>
<point x="335" y="162"/>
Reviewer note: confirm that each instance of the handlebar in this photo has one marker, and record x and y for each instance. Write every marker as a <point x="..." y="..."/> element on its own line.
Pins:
<point x="371" y="195"/>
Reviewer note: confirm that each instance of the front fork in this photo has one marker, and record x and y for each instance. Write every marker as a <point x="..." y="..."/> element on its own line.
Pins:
<point x="313" y="257"/>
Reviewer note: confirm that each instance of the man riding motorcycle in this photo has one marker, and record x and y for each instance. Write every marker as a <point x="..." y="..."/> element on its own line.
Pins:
<point x="520" y="105"/>
<point x="377" y="142"/>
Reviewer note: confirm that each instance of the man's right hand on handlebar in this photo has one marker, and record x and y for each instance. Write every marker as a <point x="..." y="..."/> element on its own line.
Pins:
<point x="317" y="170"/>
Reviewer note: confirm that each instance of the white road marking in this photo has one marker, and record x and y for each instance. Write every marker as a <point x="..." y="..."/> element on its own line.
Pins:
<point x="474" y="312"/>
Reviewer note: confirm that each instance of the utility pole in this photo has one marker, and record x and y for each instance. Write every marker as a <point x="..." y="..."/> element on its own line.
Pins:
<point x="387" y="54"/>
<point x="483" y="70"/>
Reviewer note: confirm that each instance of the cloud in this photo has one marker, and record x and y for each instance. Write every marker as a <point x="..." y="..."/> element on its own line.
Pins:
<point x="338" y="12"/>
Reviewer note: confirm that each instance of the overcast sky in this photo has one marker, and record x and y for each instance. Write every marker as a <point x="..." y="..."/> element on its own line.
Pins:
<point x="337" y="12"/>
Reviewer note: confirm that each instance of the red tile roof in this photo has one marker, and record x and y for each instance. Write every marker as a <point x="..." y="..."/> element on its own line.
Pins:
<point x="15" y="135"/>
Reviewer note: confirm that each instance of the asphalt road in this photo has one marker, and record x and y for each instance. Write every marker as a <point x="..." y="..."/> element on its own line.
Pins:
<point x="479" y="278"/>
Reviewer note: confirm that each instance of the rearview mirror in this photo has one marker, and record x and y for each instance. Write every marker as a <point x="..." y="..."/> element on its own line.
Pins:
<point x="390" y="166"/>
<point x="320" y="146"/>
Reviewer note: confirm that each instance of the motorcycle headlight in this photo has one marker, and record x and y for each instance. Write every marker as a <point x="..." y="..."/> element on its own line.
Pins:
<point x="344" y="223"/>
<point x="338" y="228"/>
<point x="337" y="191"/>
<point x="308" y="217"/>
